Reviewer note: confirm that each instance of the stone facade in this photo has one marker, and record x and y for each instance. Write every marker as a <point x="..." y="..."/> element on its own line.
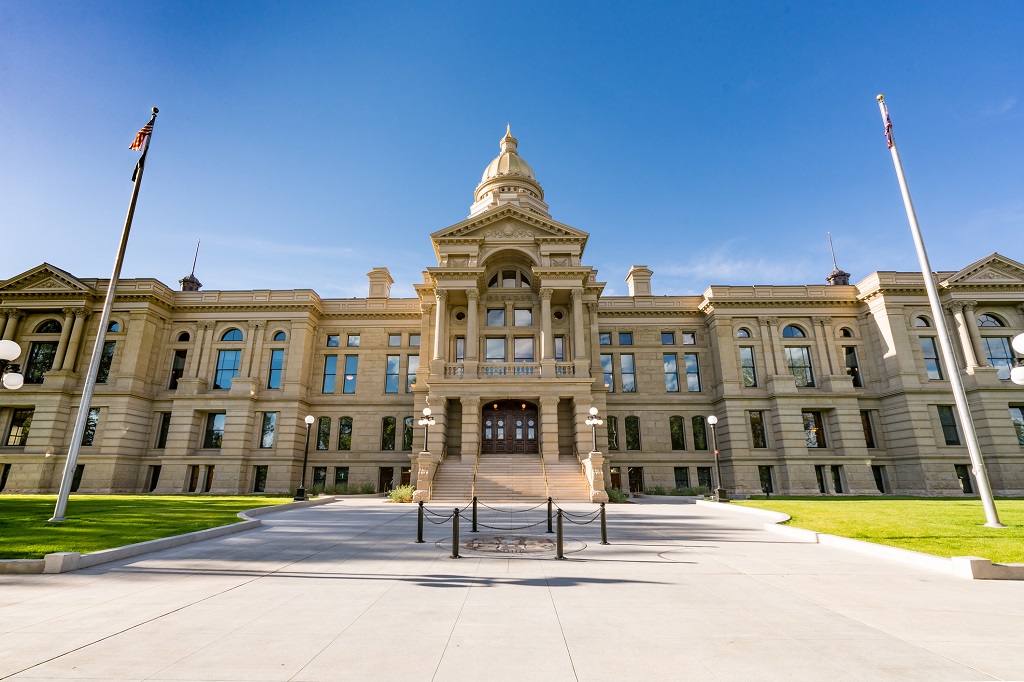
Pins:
<point x="837" y="374"/>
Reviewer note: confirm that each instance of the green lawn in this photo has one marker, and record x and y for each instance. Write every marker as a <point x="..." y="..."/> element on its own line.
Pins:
<point x="96" y="522"/>
<point x="944" y="527"/>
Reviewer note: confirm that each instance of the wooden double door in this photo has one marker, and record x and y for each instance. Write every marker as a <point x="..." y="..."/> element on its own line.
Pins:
<point x="510" y="426"/>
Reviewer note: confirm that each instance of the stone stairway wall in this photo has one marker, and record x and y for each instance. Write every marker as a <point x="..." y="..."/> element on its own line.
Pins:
<point x="510" y="478"/>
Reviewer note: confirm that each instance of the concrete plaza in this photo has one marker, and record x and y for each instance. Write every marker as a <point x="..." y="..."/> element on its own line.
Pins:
<point x="341" y="592"/>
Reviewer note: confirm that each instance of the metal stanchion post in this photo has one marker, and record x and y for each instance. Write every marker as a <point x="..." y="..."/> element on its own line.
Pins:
<point x="558" y="538"/>
<point x="419" y="523"/>
<point x="549" y="515"/>
<point x="604" y="526"/>
<point x="474" y="513"/>
<point x="455" y="535"/>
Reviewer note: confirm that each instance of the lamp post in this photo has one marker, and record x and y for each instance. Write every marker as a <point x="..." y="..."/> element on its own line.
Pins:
<point x="1017" y="373"/>
<point x="300" y="492"/>
<point x="720" y="493"/>
<point x="426" y="421"/>
<point x="12" y="377"/>
<point x="593" y="421"/>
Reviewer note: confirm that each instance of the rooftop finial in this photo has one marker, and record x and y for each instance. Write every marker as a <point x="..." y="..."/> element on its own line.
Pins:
<point x="509" y="143"/>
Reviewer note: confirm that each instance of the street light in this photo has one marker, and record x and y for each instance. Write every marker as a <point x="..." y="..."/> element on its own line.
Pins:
<point x="1017" y="373"/>
<point x="720" y="490"/>
<point x="12" y="378"/>
<point x="300" y="492"/>
<point x="593" y="421"/>
<point x="426" y="421"/>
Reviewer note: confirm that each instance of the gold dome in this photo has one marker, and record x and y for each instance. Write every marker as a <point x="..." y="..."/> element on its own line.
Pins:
<point x="508" y="162"/>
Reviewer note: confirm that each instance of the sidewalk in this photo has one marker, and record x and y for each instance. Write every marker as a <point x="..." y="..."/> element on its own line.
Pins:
<point x="341" y="592"/>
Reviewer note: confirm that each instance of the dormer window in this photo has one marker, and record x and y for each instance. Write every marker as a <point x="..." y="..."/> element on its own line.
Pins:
<point x="509" y="279"/>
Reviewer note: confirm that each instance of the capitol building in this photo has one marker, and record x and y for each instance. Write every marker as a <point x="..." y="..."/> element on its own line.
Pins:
<point x="826" y="388"/>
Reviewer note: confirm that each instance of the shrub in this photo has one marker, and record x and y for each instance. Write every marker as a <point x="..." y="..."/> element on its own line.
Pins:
<point x="616" y="496"/>
<point x="654" y="490"/>
<point x="691" y="491"/>
<point x="402" y="493"/>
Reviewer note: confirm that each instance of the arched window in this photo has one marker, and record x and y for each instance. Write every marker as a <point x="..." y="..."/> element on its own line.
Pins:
<point x="280" y="336"/>
<point x="700" y="433"/>
<point x="183" y="337"/>
<point x="846" y="333"/>
<point x="632" y="432"/>
<point x="793" y="332"/>
<point x="922" y="322"/>
<point x="48" y="327"/>
<point x="387" y="433"/>
<point x="509" y="279"/>
<point x="114" y="327"/>
<point x="345" y="433"/>
<point x="232" y="335"/>
<point x="742" y="333"/>
<point x="677" y="432"/>
<point x="987" y="320"/>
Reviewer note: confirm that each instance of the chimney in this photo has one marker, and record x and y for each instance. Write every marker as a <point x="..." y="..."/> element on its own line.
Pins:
<point x="639" y="280"/>
<point x="380" y="283"/>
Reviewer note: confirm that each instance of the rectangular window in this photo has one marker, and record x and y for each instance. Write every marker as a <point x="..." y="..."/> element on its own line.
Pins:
<point x="798" y="360"/>
<point x="351" y="370"/>
<point x="5" y="471"/>
<point x="632" y="433"/>
<point x="91" y="421"/>
<point x="319" y="478"/>
<point x="214" y="435"/>
<point x="460" y="349"/>
<point x="387" y="433"/>
<point x="522" y="317"/>
<point x="394" y="340"/>
<point x="40" y="361"/>
<point x="758" y="433"/>
<point x="340" y="475"/>
<point x="747" y="368"/>
<point x="345" y="433"/>
<point x="930" y="352"/>
<point x="267" y="430"/>
<point x="869" y="432"/>
<point x="106" y="360"/>
<point x="669" y="339"/>
<point x="1017" y="417"/>
<point x="353" y="341"/>
<point x="332" y="341"/>
<point x="878" y="473"/>
<point x="330" y="372"/>
<point x="177" y="368"/>
<point x="997" y="350"/>
<point x="153" y="476"/>
<point x="407" y="433"/>
<point x="391" y="374"/>
<point x="671" y="373"/>
<point x="819" y="476"/>
<point x="613" y="433"/>
<point x="210" y="468"/>
<point x="495" y="317"/>
<point x="700" y="432"/>
<point x="163" y="429"/>
<point x="814" y="430"/>
<point x="323" y="433"/>
<point x="193" y="478"/>
<point x="21" y="422"/>
<point x="227" y="367"/>
<point x="837" y="480"/>
<point x="604" y="338"/>
<point x="276" y="367"/>
<point x="689" y="339"/>
<point x="259" y="479"/>
<point x="682" y="476"/>
<point x="414" y="340"/>
<point x="559" y="349"/>
<point x="609" y="377"/>
<point x="625" y="338"/>
<point x="767" y="476"/>
<point x="76" y="480"/>
<point x="963" y="475"/>
<point x="692" y="373"/>
<point x="495" y="350"/>
<point x="704" y="477"/>
<point x="523" y="349"/>
<point x="412" y="367"/>
<point x="948" y="421"/>
<point x="627" y="370"/>
<point x="852" y="366"/>
<point x="677" y="433"/>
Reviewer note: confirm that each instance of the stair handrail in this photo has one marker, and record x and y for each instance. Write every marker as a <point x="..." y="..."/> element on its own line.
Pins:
<point x="544" y="470"/>
<point x="476" y="470"/>
<point x="437" y="467"/>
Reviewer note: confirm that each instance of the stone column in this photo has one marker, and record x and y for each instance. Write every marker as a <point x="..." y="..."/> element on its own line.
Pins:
<point x="425" y="341"/>
<point x="440" y="312"/>
<point x="470" y="428"/>
<point x="825" y="342"/>
<point x="549" y="428"/>
<point x="13" y="316"/>
<point x="472" y="324"/>
<point x="972" y="327"/>
<point x="546" y="342"/>
<point x="197" y="350"/>
<point x="245" y="365"/>
<point x="579" y="348"/>
<point x="3" y="323"/>
<point x="65" y="334"/>
<point x="257" y="354"/>
<point x="70" y="356"/>
<point x="957" y="309"/>
<point x="769" y="332"/>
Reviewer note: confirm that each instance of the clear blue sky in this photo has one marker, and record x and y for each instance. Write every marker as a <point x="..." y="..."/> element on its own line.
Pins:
<point x="308" y="142"/>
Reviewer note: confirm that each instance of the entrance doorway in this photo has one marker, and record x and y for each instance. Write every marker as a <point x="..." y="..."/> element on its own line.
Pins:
<point x="636" y="479"/>
<point x="510" y="426"/>
<point x="385" y="479"/>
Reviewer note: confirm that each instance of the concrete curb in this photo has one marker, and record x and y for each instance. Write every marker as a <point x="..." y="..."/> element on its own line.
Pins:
<point x="65" y="562"/>
<point x="969" y="567"/>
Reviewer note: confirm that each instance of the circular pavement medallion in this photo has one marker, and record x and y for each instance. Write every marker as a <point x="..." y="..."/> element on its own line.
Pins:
<point x="512" y="545"/>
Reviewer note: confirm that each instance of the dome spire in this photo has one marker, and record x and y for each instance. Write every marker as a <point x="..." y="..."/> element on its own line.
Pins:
<point x="508" y="179"/>
<point x="509" y="143"/>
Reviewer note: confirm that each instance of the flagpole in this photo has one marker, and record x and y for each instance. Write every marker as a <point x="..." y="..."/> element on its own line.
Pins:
<point x="101" y="334"/>
<point x="959" y="395"/>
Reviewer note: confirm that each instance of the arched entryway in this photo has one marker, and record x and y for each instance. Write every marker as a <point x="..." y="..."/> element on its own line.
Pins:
<point x="510" y="426"/>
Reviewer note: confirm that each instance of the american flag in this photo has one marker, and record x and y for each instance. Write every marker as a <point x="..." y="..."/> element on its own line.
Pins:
<point x="888" y="127"/>
<point x="147" y="130"/>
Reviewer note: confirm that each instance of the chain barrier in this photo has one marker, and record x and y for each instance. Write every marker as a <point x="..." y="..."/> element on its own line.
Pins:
<point x="511" y="511"/>
<point x="514" y="527"/>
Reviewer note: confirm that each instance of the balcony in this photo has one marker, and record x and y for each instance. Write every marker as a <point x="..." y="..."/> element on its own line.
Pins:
<point x="511" y="370"/>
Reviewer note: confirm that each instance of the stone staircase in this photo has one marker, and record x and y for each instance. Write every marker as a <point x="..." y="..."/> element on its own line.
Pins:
<point x="510" y="478"/>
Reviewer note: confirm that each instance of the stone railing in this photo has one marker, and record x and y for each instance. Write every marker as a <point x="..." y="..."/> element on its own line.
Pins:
<point x="511" y="370"/>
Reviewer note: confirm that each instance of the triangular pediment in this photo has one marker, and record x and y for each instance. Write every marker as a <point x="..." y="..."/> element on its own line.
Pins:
<point x="509" y="223"/>
<point x="44" y="278"/>
<point x="990" y="270"/>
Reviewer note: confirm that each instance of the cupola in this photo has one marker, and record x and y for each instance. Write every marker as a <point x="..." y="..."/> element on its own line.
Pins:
<point x="508" y="179"/>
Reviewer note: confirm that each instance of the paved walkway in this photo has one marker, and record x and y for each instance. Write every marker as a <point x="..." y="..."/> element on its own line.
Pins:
<point x="340" y="592"/>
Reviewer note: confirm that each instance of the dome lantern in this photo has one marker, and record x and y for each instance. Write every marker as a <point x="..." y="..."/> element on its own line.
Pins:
<point x="508" y="179"/>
